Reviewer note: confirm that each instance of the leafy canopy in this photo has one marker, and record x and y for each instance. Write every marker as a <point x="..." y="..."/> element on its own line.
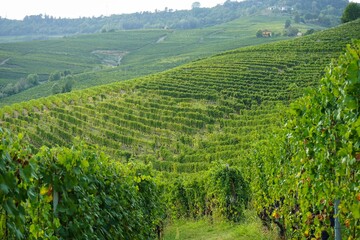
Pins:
<point x="315" y="162"/>
<point x="351" y="12"/>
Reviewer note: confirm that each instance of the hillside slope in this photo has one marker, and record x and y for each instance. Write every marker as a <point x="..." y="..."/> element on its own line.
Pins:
<point x="185" y="118"/>
<point x="104" y="58"/>
<point x="194" y="124"/>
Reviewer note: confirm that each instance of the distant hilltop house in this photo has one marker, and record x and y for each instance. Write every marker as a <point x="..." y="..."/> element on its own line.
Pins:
<point x="281" y="8"/>
<point x="266" y="33"/>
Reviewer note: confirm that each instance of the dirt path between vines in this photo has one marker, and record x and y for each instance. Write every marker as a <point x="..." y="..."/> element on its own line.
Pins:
<point x="4" y="62"/>
<point x="161" y="39"/>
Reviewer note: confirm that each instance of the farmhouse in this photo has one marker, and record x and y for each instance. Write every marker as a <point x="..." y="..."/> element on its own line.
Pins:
<point x="266" y="33"/>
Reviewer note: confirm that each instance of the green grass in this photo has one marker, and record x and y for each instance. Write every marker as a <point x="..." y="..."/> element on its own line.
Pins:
<point x="145" y="55"/>
<point x="250" y="229"/>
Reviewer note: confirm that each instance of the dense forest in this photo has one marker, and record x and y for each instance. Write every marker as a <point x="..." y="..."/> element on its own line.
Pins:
<point x="325" y="13"/>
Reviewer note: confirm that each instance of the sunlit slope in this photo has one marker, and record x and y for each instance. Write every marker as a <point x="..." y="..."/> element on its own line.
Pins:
<point x="185" y="118"/>
<point x="110" y="57"/>
<point x="77" y="53"/>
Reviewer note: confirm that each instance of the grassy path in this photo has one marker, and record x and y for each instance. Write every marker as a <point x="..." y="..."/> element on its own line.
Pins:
<point x="251" y="228"/>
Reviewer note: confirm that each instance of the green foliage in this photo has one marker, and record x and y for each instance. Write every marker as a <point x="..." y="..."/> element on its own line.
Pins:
<point x="216" y="98"/>
<point x="68" y="85"/>
<point x="17" y="171"/>
<point x="324" y="12"/>
<point x="219" y="193"/>
<point x="287" y="23"/>
<point x="182" y="121"/>
<point x="195" y="5"/>
<point x="30" y="81"/>
<point x="351" y="12"/>
<point x="56" y="88"/>
<point x="315" y="161"/>
<point x="297" y="18"/>
<point x="259" y="34"/>
<point x="93" y="59"/>
<point x="73" y="193"/>
<point x="309" y="32"/>
<point x="43" y="26"/>
<point x="66" y="73"/>
<point x="230" y="191"/>
<point x="55" y="76"/>
<point x="33" y="79"/>
<point x="291" y="32"/>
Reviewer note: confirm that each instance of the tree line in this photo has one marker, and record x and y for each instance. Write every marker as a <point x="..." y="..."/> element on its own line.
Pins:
<point x="326" y="13"/>
<point x="33" y="80"/>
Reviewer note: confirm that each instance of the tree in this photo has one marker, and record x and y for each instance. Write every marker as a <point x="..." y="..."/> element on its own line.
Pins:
<point x="68" y="85"/>
<point x="67" y="72"/>
<point x="287" y="23"/>
<point x="297" y="18"/>
<point x="195" y="5"/>
<point x="351" y="12"/>
<point x="32" y="79"/>
<point x="291" y="32"/>
<point x="259" y="34"/>
<point x="55" y="89"/>
<point x="309" y="31"/>
<point x="54" y="76"/>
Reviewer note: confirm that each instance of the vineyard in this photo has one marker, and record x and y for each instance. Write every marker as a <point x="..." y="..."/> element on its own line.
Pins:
<point x="196" y="126"/>
<point x="311" y="168"/>
<point x="103" y="58"/>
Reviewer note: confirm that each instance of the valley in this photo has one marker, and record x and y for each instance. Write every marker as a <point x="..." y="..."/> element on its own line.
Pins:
<point x="205" y="133"/>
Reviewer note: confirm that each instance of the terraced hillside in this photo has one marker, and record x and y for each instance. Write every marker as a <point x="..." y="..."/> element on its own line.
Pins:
<point x="110" y="57"/>
<point x="185" y="119"/>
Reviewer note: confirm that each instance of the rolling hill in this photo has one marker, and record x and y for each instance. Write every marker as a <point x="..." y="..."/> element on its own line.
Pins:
<point x="115" y="56"/>
<point x="186" y="120"/>
<point x="214" y="95"/>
